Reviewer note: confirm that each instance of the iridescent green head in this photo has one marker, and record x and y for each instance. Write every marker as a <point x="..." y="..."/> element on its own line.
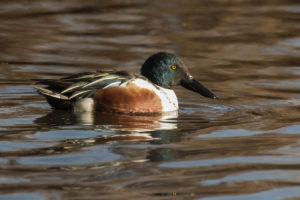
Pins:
<point x="167" y="70"/>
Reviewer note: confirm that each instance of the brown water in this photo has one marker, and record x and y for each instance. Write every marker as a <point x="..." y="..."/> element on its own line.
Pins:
<point x="244" y="146"/>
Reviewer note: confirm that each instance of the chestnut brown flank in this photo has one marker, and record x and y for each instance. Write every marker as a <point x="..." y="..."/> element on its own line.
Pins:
<point x="129" y="99"/>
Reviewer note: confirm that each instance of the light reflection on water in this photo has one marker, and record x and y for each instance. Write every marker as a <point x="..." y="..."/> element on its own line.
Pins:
<point x="235" y="160"/>
<point x="291" y="175"/>
<point x="25" y="196"/>
<point x="91" y="155"/>
<point x="276" y="194"/>
<point x="243" y="146"/>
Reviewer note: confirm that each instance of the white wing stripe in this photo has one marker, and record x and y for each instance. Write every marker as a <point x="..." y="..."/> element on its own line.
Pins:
<point x="114" y="84"/>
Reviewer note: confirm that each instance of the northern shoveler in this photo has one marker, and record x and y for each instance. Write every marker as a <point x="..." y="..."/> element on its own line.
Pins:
<point x="124" y="92"/>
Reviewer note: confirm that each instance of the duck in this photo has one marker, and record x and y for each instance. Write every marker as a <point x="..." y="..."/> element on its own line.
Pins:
<point x="124" y="92"/>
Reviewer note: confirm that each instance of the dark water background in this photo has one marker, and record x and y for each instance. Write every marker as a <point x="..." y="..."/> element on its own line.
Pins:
<point x="244" y="146"/>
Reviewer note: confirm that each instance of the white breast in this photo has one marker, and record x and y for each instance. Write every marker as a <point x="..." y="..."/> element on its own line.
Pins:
<point x="168" y="99"/>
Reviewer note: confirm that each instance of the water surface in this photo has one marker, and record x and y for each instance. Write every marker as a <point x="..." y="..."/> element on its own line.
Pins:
<point x="243" y="146"/>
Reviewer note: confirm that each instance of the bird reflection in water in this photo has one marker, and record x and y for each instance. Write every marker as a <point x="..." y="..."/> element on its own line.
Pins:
<point x="127" y="127"/>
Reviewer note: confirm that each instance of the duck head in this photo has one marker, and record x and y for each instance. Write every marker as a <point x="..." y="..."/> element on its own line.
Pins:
<point x="167" y="70"/>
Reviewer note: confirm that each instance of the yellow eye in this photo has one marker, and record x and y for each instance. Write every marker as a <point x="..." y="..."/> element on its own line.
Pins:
<point x="173" y="67"/>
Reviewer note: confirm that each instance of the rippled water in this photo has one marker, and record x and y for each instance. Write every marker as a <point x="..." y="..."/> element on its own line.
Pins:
<point x="244" y="146"/>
